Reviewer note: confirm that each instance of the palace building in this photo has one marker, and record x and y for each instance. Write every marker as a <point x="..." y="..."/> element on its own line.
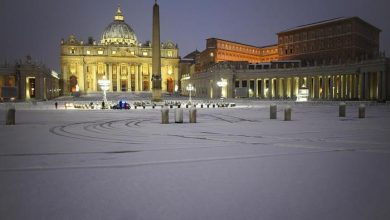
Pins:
<point x="337" y="59"/>
<point x="120" y="57"/>
<point x="219" y="50"/>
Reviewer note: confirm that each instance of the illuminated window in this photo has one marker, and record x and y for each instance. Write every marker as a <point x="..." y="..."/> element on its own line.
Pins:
<point x="144" y="53"/>
<point x="113" y="52"/>
<point x="88" y="52"/>
<point x="211" y="54"/>
<point x="72" y="51"/>
<point x="132" y="53"/>
<point x="100" y="52"/>
<point x="170" y="54"/>
<point x="73" y="68"/>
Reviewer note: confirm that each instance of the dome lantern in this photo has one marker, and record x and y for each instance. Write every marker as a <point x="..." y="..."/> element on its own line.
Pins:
<point x="119" y="16"/>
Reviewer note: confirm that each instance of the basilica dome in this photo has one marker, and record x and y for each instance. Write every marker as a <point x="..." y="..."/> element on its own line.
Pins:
<point x="118" y="32"/>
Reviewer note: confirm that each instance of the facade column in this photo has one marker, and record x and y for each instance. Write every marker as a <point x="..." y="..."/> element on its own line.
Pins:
<point x="150" y="77"/>
<point x="94" y="76"/>
<point x="110" y="76"/>
<point x="285" y="81"/>
<point x="118" y="78"/>
<point x="85" y="82"/>
<point x="140" y="77"/>
<point x="128" y="77"/>
<point x="136" y="69"/>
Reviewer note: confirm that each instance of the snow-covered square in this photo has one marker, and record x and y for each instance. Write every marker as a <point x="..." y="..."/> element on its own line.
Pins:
<point x="234" y="163"/>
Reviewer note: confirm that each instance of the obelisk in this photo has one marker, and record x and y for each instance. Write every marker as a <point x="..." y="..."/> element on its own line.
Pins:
<point x="156" y="55"/>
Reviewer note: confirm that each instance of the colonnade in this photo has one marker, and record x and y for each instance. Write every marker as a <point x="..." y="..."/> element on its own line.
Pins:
<point x="356" y="86"/>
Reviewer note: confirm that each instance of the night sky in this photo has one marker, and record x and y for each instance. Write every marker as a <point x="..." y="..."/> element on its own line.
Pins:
<point x="36" y="26"/>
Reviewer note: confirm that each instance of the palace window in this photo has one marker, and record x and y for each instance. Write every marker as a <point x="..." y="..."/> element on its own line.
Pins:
<point x="113" y="52"/>
<point x="144" y="53"/>
<point x="100" y="52"/>
<point x="72" y="51"/>
<point x="169" y="53"/>
<point x="88" y="52"/>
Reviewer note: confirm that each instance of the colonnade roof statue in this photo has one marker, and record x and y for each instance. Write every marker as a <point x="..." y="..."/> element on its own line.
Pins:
<point x="118" y="32"/>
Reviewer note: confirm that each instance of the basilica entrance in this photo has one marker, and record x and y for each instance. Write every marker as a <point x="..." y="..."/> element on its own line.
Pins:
<point x="146" y="85"/>
<point x="123" y="85"/>
<point x="170" y="85"/>
<point x="73" y="84"/>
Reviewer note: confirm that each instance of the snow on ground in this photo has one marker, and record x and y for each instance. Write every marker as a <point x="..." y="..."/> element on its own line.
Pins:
<point x="235" y="163"/>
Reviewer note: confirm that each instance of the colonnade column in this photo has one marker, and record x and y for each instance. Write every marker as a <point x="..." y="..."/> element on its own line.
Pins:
<point x="285" y="81"/>
<point x="383" y="85"/>
<point x="324" y="87"/>
<point x="366" y="85"/>
<point x="292" y="87"/>
<point x="277" y="88"/>
<point x="331" y="87"/>
<point x="262" y="95"/>
<point x="270" y="88"/>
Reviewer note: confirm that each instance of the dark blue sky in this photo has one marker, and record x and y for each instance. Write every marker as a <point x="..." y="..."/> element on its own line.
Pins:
<point x="36" y="26"/>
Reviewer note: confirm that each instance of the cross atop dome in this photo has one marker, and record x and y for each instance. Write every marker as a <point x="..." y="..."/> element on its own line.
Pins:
<point x="119" y="15"/>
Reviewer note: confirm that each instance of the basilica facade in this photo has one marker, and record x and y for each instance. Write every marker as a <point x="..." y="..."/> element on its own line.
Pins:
<point x="119" y="57"/>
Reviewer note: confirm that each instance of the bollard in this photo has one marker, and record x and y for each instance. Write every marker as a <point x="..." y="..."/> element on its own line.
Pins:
<point x="171" y="106"/>
<point x="362" y="111"/>
<point x="287" y="113"/>
<point x="192" y="115"/>
<point x="178" y="115"/>
<point x="272" y="111"/>
<point x="342" y="109"/>
<point x="10" y="116"/>
<point x="165" y="116"/>
<point x="201" y="105"/>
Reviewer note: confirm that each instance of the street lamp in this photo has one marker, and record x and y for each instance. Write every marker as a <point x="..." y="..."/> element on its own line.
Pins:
<point x="104" y="85"/>
<point x="190" y="88"/>
<point x="222" y="84"/>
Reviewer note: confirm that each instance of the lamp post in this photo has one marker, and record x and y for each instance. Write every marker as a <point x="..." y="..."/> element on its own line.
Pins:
<point x="190" y="88"/>
<point x="222" y="84"/>
<point x="104" y="85"/>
